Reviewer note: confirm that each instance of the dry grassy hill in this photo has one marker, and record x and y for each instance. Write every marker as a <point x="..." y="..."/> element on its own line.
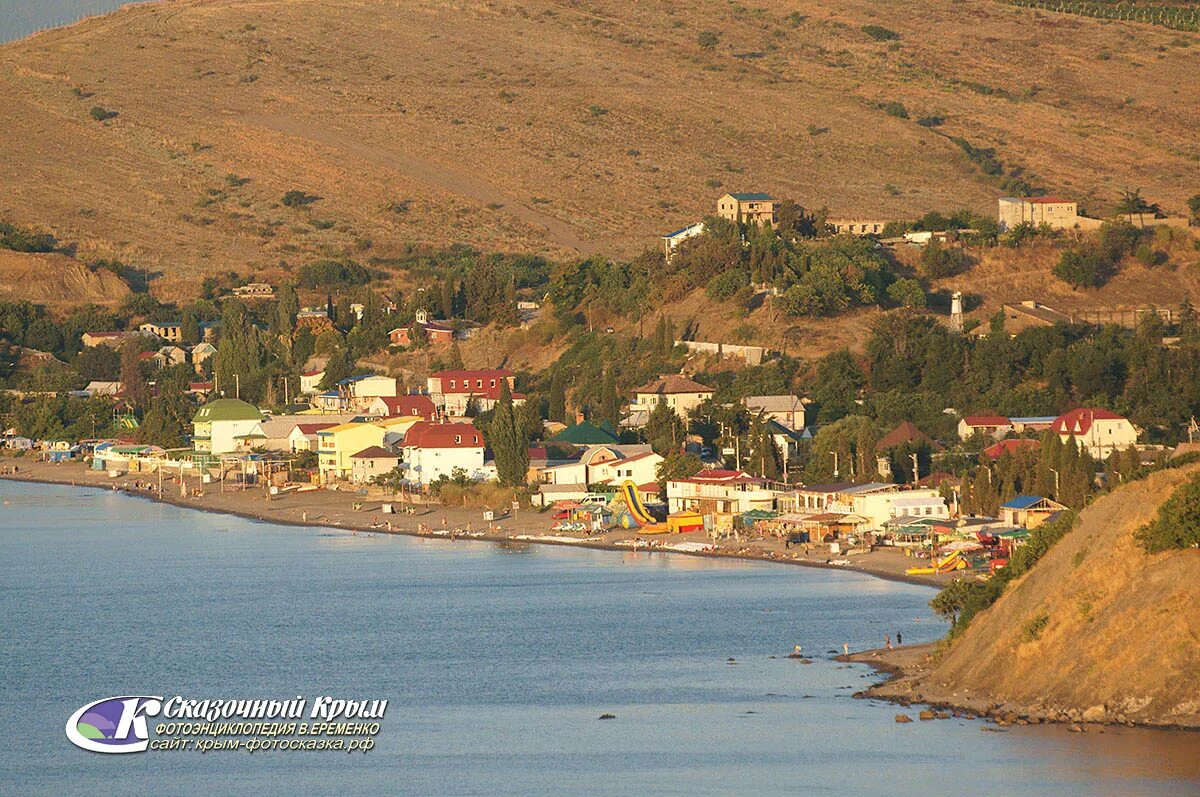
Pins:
<point x="56" y="280"/>
<point x="559" y="127"/>
<point x="1098" y="628"/>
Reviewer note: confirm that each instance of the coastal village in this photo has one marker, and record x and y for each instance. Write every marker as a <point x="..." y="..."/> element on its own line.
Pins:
<point x="462" y="454"/>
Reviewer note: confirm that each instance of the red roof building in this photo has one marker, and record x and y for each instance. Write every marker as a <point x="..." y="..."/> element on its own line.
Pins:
<point x="1100" y="432"/>
<point x="1011" y="447"/>
<point x="415" y="404"/>
<point x="425" y="434"/>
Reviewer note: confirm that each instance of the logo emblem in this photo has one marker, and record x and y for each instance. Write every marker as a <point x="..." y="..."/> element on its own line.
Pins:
<point x="114" y="724"/>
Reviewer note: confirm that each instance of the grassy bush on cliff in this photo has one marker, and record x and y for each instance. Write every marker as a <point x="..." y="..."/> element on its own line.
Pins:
<point x="962" y="600"/>
<point x="1177" y="524"/>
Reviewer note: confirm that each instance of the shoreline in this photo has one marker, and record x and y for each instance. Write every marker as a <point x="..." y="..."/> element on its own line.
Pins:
<point x="905" y="686"/>
<point x="247" y="505"/>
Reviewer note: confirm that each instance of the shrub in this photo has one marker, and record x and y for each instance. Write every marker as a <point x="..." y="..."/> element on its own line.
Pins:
<point x="880" y="33"/>
<point x="933" y="120"/>
<point x="1032" y="629"/>
<point x="23" y="240"/>
<point x="298" y="199"/>
<point x="1177" y="522"/>
<point x="102" y="114"/>
<point x="708" y="39"/>
<point x="907" y="293"/>
<point x="726" y="284"/>
<point x="331" y="274"/>
<point x="938" y="261"/>
<point x="895" y="108"/>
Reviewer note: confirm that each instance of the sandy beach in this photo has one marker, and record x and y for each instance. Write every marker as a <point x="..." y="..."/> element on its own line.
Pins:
<point x="337" y="509"/>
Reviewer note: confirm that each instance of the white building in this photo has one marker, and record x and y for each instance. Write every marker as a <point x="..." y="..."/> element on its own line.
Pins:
<point x="710" y="491"/>
<point x="433" y="450"/>
<point x="672" y="240"/>
<point x="880" y="506"/>
<point x="310" y="381"/>
<point x="787" y="410"/>
<point x="454" y="391"/>
<point x="372" y="462"/>
<point x="996" y="426"/>
<point x="678" y="392"/>
<point x="303" y="436"/>
<point x="227" y="426"/>
<point x="1099" y="431"/>
<point x="603" y="464"/>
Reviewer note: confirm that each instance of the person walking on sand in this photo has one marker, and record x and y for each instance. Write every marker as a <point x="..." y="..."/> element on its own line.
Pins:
<point x="845" y="648"/>
<point x="887" y="641"/>
<point x="899" y="639"/>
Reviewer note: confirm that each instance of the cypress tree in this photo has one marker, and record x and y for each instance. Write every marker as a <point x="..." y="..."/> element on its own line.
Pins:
<point x="557" y="410"/>
<point x="508" y="442"/>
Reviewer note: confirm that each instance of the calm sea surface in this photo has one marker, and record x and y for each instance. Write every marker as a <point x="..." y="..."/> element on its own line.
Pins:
<point x="497" y="663"/>
<point x="20" y="18"/>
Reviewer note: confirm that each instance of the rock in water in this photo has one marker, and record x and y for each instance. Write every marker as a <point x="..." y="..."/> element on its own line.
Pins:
<point x="903" y="718"/>
<point x="608" y="716"/>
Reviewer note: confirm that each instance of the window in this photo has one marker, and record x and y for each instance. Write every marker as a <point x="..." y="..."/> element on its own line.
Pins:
<point x="493" y="383"/>
<point x="478" y="383"/>
<point x="458" y="438"/>
<point x="451" y="384"/>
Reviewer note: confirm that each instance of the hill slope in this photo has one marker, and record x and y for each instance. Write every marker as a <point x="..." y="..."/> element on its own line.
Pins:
<point x="1121" y="628"/>
<point x="559" y="127"/>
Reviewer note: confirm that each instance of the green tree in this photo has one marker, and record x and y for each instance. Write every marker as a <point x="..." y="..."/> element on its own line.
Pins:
<point x="557" y="405"/>
<point x="676" y="465"/>
<point x="339" y="366"/>
<point x="1177" y="522"/>
<point x="133" y="381"/>
<point x="664" y="430"/>
<point x="508" y="441"/>
<point x="169" y="417"/>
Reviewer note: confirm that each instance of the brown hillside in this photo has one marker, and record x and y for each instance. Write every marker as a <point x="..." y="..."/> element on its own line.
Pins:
<point x="56" y="280"/>
<point x="559" y="126"/>
<point x="1122" y="630"/>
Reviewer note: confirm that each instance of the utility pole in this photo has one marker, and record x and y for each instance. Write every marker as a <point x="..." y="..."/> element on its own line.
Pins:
<point x="237" y="382"/>
<point x="836" y="471"/>
<point x="1056" y="487"/>
<point x="916" y="468"/>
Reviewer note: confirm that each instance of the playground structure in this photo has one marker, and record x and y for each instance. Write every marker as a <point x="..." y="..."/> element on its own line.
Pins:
<point x="947" y="564"/>
<point x="623" y="508"/>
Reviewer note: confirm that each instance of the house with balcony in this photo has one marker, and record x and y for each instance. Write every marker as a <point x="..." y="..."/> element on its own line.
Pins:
<point x="720" y="491"/>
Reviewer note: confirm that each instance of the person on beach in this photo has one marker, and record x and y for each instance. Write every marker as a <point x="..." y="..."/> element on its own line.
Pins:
<point x="846" y="648"/>
<point x="899" y="639"/>
<point x="887" y="641"/>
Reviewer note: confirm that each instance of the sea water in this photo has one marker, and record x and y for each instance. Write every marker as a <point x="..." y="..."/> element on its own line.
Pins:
<point x="496" y="661"/>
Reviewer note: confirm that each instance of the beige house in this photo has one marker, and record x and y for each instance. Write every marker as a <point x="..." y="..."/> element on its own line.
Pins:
<point x="171" y="331"/>
<point x="201" y="352"/>
<point x="857" y="226"/>
<point x="747" y="208"/>
<point x="370" y="463"/>
<point x="787" y="410"/>
<point x="677" y="391"/>
<point x="1098" y="431"/>
<point x="1054" y="212"/>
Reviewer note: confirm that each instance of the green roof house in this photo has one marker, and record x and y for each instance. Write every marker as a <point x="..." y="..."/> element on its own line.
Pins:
<point x="226" y="426"/>
<point x="585" y="434"/>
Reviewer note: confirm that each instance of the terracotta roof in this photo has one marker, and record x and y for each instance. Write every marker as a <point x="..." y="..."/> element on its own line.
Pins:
<point x="425" y="434"/>
<point x="906" y="432"/>
<point x="1010" y="447"/>
<point x="313" y="428"/>
<point x="986" y="420"/>
<point x="375" y="452"/>
<point x="673" y="383"/>
<point x="1080" y="421"/>
<point x="414" y="404"/>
